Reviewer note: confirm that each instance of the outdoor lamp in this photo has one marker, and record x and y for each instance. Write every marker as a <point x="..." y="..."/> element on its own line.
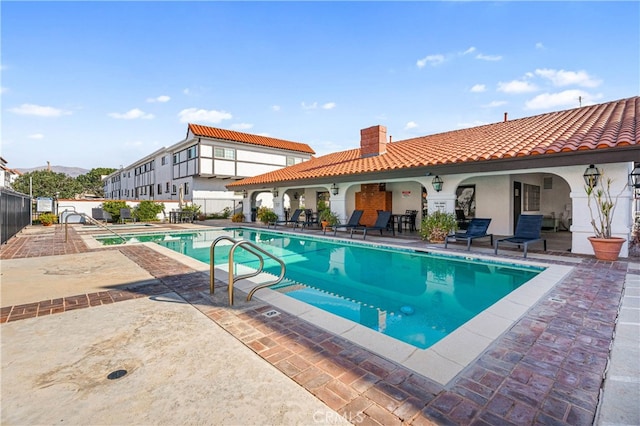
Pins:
<point x="634" y="177"/>
<point x="334" y="189"/>
<point x="437" y="183"/>
<point x="275" y="192"/>
<point x="591" y="176"/>
<point x="244" y="193"/>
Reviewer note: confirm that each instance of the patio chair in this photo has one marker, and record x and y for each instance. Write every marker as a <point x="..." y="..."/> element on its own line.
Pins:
<point x="528" y="230"/>
<point x="295" y="218"/>
<point x="125" y="214"/>
<point x="477" y="229"/>
<point x="354" y="221"/>
<point x="409" y="220"/>
<point x="310" y="218"/>
<point x="382" y="224"/>
<point x="100" y="215"/>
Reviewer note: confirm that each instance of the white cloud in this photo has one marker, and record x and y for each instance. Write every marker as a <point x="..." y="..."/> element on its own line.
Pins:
<point x="275" y="108"/>
<point x="3" y="89"/>
<point x="479" y="88"/>
<point x="539" y="46"/>
<point x="568" y="98"/>
<point x="488" y="57"/>
<point x="36" y="136"/>
<point x="494" y="104"/>
<point x="329" y="105"/>
<point x="434" y="60"/>
<point x="191" y="115"/>
<point x="186" y="91"/>
<point x="410" y="125"/>
<point x="134" y="144"/>
<point x="562" y="78"/>
<point x="38" y="110"/>
<point x="242" y="126"/>
<point x="132" y="114"/>
<point x="309" y="106"/>
<point x="516" y="86"/>
<point x="162" y="99"/>
<point x="469" y="50"/>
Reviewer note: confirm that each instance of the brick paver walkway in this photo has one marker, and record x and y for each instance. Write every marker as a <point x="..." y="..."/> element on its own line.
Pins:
<point x="547" y="369"/>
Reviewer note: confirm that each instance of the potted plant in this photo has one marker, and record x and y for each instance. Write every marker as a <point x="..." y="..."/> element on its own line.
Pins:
<point x="328" y="218"/>
<point x="605" y="246"/>
<point x="238" y="217"/>
<point x="47" y="219"/>
<point x="437" y="225"/>
<point x="266" y="215"/>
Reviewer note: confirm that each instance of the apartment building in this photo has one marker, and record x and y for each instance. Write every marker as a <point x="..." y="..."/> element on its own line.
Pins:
<point x="198" y="168"/>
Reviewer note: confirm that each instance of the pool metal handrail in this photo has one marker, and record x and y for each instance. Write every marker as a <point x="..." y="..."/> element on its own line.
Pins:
<point x="253" y="249"/>
<point x="90" y="219"/>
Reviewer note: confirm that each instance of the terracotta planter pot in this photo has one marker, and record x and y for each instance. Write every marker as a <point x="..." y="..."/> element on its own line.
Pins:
<point x="607" y="248"/>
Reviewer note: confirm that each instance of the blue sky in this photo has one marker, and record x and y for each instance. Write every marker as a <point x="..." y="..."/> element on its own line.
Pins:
<point x="101" y="84"/>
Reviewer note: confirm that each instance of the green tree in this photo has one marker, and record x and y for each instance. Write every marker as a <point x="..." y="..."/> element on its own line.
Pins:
<point x="148" y="211"/>
<point x="48" y="184"/>
<point x="92" y="182"/>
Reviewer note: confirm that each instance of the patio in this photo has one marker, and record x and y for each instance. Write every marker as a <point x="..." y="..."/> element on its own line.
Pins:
<point x="547" y="369"/>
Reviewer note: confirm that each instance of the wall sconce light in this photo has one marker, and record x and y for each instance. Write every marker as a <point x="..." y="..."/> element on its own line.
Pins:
<point x="275" y="192"/>
<point x="244" y="193"/>
<point x="634" y="177"/>
<point x="334" y="189"/>
<point x="437" y="183"/>
<point x="591" y="176"/>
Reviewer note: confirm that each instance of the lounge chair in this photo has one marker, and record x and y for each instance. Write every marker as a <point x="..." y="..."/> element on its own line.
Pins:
<point x="295" y="218"/>
<point x="477" y="229"/>
<point x="382" y="224"/>
<point x="125" y="214"/>
<point x="354" y="221"/>
<point x="528" y="230"/>
<point x="101" y="215"/>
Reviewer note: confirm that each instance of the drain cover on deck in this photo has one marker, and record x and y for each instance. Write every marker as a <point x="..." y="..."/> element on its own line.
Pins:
<point x="271" y="313"/>
<point x="116" y="374"/>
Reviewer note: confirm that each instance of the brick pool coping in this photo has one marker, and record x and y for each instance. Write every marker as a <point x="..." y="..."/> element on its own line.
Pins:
<point x="547" y="369"/>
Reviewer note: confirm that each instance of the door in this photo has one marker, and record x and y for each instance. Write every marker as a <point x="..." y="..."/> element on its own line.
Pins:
<point x="517" y="203"/>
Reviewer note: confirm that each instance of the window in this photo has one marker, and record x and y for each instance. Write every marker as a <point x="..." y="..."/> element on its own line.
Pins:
<point x="166" y="189"/>
<point x="191" y="152"/>
<point x="174" y="190"/>
<point x="531" y="197"/>
<point x="164" y="160"/>
<point x="175" y="158"/>
<point x="186" y="188"/>
<point x="293" y="160"/>
<point x="159" y="189"/>
<point x="226" y="153"/>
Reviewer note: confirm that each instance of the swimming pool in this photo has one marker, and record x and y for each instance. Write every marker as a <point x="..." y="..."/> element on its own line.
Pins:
<point x="416" y="297"/>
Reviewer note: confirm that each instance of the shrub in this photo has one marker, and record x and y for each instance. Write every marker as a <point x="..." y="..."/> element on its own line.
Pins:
<point x="113" y="208"/>
<point x="327" y="215"/>
<point x="48" y="219"/>
<point x="238" y="217"/>
<point x="147" y="211"/>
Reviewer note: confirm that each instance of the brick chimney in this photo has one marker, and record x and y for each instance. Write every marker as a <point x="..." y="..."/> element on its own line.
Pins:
<point x="373" y="141"/>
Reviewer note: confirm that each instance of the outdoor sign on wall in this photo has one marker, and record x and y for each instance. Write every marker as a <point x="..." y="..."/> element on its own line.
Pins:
<point x="44" y="205"/>
<point x="406" y="194"/>
<point x="440" y="205"/>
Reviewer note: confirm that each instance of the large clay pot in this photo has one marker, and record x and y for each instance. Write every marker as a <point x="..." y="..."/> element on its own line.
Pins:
<point x="607" y="248"/>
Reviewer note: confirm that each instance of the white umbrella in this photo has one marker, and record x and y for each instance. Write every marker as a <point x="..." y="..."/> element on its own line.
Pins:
<point x="180" y="197"/>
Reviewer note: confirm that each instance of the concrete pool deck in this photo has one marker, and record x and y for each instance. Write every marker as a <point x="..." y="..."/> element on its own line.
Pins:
<point x="189" y="353"/>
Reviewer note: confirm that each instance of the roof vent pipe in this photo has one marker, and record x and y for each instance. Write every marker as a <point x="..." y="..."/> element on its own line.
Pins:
<point x="505" y="116"/>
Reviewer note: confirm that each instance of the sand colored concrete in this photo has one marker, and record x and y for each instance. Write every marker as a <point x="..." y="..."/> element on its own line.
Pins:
<point x="182" y="369"/>
<point x="52" y="277"/>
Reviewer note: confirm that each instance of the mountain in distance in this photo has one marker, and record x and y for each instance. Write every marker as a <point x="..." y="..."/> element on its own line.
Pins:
<point x="70" y="171"/>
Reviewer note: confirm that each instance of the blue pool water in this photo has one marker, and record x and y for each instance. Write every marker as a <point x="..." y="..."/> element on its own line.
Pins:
<point x="413" y="296"/>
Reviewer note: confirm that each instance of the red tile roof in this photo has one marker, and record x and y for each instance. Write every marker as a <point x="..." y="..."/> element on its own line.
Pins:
<point x="595" y="127"/>
<point x="230" y="135"/>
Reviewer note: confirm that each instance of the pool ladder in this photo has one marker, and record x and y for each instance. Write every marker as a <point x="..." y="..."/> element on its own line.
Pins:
<point x="251" y="248"/>
<point x="88" y="219"/>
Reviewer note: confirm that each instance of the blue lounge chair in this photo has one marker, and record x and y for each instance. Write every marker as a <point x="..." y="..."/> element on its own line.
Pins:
<point x="295" y="218"/>
<point x="477" y="228"/>
<point x="354" y="221"/>
<point x="382" y="224"/>
<point x="528" y="230"/>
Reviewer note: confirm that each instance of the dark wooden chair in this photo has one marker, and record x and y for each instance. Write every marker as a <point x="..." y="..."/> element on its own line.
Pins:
<point x="382" y="224"/>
